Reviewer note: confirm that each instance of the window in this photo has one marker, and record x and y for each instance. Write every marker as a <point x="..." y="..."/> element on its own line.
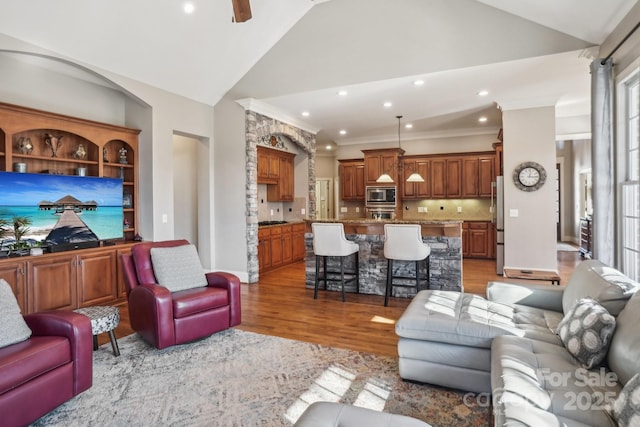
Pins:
<point x="630" y="177"/>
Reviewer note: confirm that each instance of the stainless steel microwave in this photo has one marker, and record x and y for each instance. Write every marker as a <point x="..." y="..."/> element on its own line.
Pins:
<point x="381" y="196"/>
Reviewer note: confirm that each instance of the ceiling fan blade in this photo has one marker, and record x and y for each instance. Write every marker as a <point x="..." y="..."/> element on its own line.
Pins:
<point x="241" y="10"/>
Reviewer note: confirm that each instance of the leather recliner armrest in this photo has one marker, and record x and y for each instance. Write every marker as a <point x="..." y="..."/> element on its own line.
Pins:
<point x="231" y="282"/>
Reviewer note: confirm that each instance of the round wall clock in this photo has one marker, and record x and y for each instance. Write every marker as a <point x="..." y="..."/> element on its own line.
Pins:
<point x="529" y="176"/>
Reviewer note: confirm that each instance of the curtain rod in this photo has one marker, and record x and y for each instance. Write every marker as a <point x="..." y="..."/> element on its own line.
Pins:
<point x="620" y="44"/>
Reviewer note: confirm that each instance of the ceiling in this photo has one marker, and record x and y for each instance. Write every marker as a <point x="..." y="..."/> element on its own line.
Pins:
<point x="295" y="55"/>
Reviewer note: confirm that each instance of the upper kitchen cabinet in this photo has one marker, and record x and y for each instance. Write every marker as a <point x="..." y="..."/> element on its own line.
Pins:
<point x="377" y="162"/>
<point x="352" y="180"/>
<point x="416" y="190"/>
<point x="276" y="169"/>
<point x="486" y="174"/>
<point x="454" y="178"/>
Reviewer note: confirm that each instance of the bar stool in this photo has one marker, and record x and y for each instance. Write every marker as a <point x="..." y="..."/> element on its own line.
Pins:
<point x="329" y="241"/>
<point x="403" y="242"/>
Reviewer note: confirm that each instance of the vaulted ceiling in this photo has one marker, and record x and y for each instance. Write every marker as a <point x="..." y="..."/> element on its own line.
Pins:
<point x="295" y="55"/>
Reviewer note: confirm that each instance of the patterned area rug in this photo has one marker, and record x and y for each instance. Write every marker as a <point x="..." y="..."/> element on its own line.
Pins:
<point x="237" y="378"/>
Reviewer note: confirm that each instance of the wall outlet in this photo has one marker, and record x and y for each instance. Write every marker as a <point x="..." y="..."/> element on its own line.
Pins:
<point x="343" y="209"/>
<point x="425" y="209"/>
<point x="271" y="212"/>
<point x="303" y="211"/>
<point x="459" y="209"/>
<point x="357" y="209"/>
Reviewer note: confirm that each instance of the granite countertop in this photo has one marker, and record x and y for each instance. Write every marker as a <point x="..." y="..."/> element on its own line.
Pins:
<point x="280" y="223"/>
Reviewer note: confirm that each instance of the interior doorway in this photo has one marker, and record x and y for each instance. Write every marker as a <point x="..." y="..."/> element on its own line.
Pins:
<point x="324" y="198"/>
<point x="185" y="188"/>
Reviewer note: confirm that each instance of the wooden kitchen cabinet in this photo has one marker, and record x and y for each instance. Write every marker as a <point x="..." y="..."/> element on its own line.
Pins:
<point x="299" y="249"/>
<point x="477" y="240"/>
<point x="377" y="162"/>
<point x="470" y="170"/>
<point x="352" y="186"/>
<point x="280" y="245"/>
<point x="268" y="166"/>
<point x="454" y="178"/>
<point x="486" y="175"/>
<point x="439" y="178"/>
<point x="417" y="190"/>
<point x="276" y="169"/>
<point x="14" y="273"/>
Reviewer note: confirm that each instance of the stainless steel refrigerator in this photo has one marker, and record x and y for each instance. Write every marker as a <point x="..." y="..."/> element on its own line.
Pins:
<point x="497" y="204"/>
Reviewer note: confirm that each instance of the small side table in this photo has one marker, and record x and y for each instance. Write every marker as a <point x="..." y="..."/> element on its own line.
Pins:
<point x="103" y="319"/>
<point x="551" y="276"/>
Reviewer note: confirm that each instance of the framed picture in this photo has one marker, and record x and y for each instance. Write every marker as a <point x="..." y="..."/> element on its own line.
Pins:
<point x="127" y="201"/>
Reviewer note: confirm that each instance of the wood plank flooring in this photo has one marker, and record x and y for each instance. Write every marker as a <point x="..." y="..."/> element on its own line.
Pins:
<point x="280" y="305"/>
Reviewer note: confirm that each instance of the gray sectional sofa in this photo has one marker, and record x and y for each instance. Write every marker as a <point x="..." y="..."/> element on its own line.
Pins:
<point x="507" y="345"/>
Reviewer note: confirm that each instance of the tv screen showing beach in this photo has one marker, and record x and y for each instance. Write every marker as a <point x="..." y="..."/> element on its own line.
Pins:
<point x="61" y="209"/>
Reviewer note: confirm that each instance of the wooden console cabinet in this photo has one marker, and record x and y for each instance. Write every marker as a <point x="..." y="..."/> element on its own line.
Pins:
<point x="66" y="280"/>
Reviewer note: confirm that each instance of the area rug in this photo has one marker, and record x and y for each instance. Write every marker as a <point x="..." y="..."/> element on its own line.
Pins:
<point x="238" y="378"/>
<point x="565" y="247"/>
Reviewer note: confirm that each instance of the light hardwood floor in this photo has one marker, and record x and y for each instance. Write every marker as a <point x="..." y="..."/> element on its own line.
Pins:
<point x="280" y="305"/>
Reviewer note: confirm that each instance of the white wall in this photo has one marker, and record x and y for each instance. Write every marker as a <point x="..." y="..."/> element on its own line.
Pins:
<point x="185" y="188"/>
<point x="530" y="238"/>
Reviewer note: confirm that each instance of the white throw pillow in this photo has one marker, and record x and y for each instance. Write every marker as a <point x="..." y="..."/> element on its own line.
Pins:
<point x="178" y="267"/>
<point x="13" y="328"/>
<point x="586" y="331"/>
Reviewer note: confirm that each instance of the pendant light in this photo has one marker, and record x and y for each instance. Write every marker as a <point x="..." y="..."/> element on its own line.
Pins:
<point x="385" y="178"/>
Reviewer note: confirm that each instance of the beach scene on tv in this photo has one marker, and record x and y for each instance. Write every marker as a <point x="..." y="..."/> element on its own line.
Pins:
<point x="48" y="210"/>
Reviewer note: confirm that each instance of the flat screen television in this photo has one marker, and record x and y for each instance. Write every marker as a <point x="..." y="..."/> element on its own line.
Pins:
<point x="64" y="211"/>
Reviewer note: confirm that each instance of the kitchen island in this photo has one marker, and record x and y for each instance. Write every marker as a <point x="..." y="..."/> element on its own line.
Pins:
<point x="443" y="237"/>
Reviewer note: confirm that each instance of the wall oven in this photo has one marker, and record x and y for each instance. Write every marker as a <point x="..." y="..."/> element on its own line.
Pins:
<point x="380" y="197"/>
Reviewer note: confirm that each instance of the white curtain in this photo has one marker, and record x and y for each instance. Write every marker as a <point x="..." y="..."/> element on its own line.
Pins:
<point x="603" y="232"/>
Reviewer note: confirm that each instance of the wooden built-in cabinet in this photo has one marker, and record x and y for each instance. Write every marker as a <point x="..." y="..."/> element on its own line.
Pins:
<point x="280" y="245"/>
<point x="478" y="240"/>
<point x="417" y="190"/>
<point x="352" y="186"/>
<point x="67" y="280"/>
<point x="102" y="142"/>
<point x="276" y="169"/>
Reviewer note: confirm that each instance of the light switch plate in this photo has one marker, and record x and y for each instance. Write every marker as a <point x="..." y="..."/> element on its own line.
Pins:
<point x="357" y="209"/>
<point x="343" y="209"/>
<point x="459" y="209"/>
<point x="513" y="213"/>
<point x="303" y="211"/>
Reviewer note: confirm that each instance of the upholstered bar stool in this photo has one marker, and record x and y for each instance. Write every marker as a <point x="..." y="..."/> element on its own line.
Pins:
<point x="329" y="241"/>
<point x="403" y="242"/>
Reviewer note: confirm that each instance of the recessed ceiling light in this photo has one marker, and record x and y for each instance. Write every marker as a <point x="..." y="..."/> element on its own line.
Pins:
<point x="482" y="119"/>
<point x="408" y="126"/>
<point x="387" y="104"/>
<point x="305" y="114"/>
<point x="188" y="8"/>
<point x="342" y="92"/>
<point x="418" y="82"/>
<point x="343" y="132"/>
<point x="483" y="92"/>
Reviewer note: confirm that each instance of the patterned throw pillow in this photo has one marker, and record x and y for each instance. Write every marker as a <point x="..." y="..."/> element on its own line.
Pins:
<point x="178" y="267"/>
<point x="13" y="328"/>
<point x="586" y="331"/>
<point x="626" y="408"/>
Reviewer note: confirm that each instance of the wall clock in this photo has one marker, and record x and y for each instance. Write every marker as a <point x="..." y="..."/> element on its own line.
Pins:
<point x="529" y="176"/>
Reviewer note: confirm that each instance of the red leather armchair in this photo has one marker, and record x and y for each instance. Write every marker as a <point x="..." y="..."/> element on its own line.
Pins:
<point x="164" y="318"/>
<point x="52" y="366"/>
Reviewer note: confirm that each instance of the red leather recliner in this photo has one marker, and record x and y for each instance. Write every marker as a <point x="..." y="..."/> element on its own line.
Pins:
<point x="46" y="370"/>
<point x="164" y="318"/>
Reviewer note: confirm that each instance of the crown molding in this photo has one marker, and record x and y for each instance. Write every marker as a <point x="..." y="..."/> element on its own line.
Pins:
<point x="261" y="107"/>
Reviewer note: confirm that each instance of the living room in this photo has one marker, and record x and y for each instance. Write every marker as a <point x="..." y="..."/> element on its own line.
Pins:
<point x="50" y="77"/>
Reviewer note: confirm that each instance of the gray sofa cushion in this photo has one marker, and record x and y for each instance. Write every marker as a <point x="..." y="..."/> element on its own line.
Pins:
<point x="470" y="320"/>
<point x="13" y="328"/>
<point x="605" y="284"/>
<point x="586" y="331"/>
<point x="624" y="350"/>
<point x="330" y="414"/>
<point x="626" y="408"/>
<point x="537" y="383"/>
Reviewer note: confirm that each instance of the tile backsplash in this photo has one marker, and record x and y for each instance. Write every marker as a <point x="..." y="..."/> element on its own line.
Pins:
<point x="464" y="209"/>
